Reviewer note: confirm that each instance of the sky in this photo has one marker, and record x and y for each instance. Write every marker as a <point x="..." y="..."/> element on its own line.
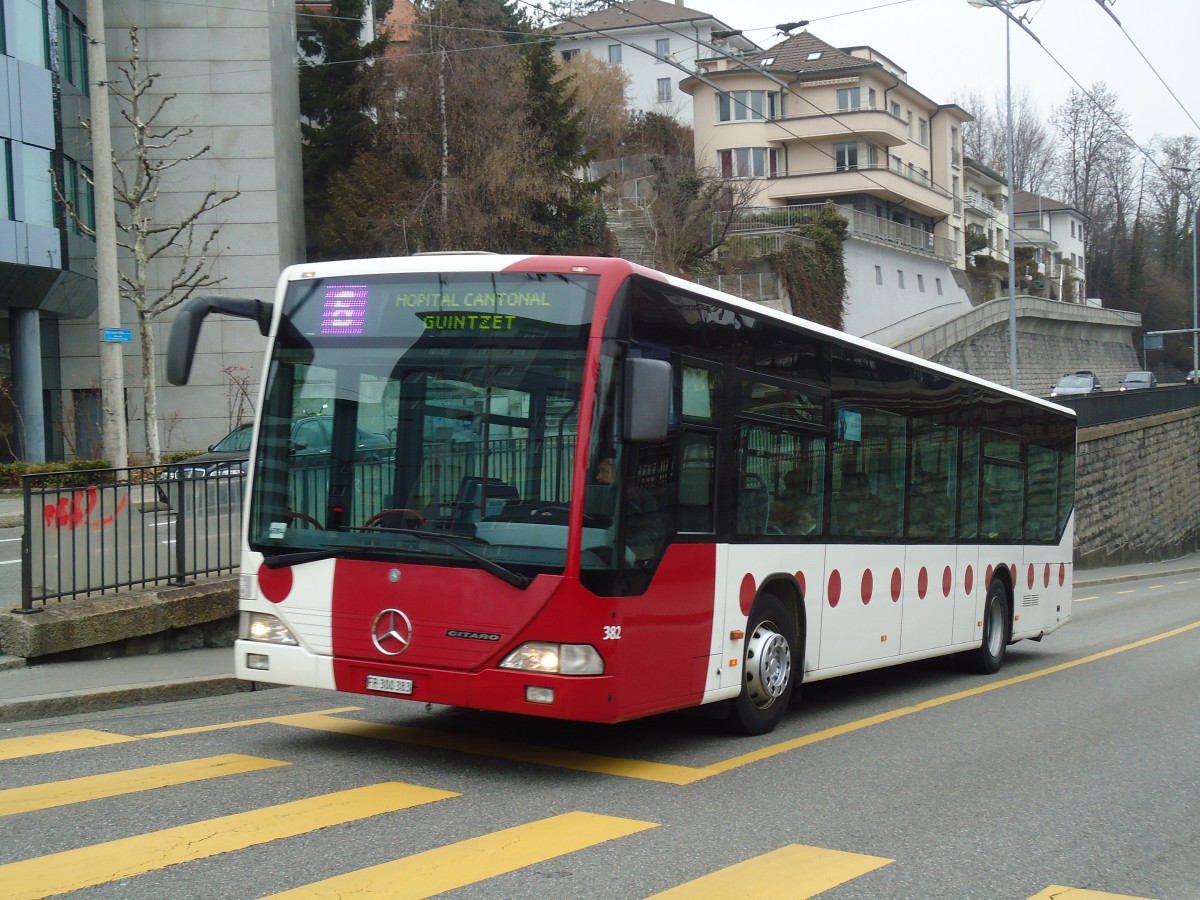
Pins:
<point x="950" y="48"/>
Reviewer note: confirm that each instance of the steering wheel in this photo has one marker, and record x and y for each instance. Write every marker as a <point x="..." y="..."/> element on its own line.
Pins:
<point x="304" y="517"/>
<point x="549" y="513"/>
<point x="385" y="515"/>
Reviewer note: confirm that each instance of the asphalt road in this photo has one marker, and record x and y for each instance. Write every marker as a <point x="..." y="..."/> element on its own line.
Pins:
<point x="10" y="567"/>
<point x="1073" y="768"/>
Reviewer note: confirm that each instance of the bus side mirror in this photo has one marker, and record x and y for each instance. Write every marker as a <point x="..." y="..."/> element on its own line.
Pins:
<point x="185" y="328"/>
<point x="647" y="400"/>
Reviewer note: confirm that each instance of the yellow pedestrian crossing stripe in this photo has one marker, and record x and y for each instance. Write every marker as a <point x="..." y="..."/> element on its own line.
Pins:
<point x="471" y="861"/>
<point x="73" y="870"/>
<point x="1056" y="892"/>
<point x="796" y="872"/>
<point x="95" y="787"/>
<point x="57" y="742"/>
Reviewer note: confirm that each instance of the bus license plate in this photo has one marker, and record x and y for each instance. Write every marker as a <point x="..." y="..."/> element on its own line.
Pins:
<point x="390" y="685"/>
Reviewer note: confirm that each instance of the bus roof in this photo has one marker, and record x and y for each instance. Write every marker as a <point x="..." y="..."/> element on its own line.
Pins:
<point x="476" y="261"/>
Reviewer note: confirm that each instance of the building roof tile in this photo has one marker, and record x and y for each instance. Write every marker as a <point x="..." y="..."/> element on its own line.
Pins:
<point x="633" y="14"/>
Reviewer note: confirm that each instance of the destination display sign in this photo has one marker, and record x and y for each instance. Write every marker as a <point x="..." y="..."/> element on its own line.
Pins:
<point x="448" y="304"/>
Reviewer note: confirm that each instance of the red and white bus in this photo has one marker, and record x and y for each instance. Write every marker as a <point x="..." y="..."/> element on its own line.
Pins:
<point x="616" y="493"/>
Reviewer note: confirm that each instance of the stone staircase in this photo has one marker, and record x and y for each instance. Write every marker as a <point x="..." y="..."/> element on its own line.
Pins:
<point x="634" y="234"/>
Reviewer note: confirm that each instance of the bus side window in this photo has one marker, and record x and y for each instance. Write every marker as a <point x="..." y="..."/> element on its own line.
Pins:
<point x="753" y="504"/>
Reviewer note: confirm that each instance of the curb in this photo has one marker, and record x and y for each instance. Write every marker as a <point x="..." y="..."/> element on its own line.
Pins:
<point x="120" y="696"/>
<point x="1133" y="576"/>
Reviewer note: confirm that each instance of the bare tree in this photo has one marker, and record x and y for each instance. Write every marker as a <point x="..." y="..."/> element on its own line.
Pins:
<point x="602" y="88"/>
<point x="177" y="251"/>
<point x="692" y="211"/>
<point x="1092" y="131"/>
<point x="985" y="140"/>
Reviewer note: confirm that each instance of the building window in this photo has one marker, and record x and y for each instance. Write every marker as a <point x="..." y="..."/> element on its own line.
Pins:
<point x="923" y="132"/>
<point x="896" y="109"/>
<point x="871" y="97"/>
<point x="845" y="156"/>
<point x="34" y="163"/>
<point x="908" y="115"/>
<point x="749" y="162"/>
<point x="1072" y="228"/>
<point x="62" y="23"/>
<point x="938" y="283"/>
<point x="27" y="34"/>
<point x="849" y="99"/>
<point x="664" y="90"/>
<point x="568" y="55"/>
<point x="900" y="278"/>
<point x="6" y="207"/>
<point x="741" y="106"/>
<point x="81" y="63"/>
<point x="614" y="53"/>
<point x="662" y="46"/>
<point x="872" y="156"/>
<point x="87" y="199"/>
<point x="78" y="191"/>
<point x="879" y="274"/>
<point x="921" y="283"/>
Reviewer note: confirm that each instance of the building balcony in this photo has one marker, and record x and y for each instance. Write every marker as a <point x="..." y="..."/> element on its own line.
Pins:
<point x="973" y="200"/>
<point x="769" y="228"/>
<point x="916" y="192"/>
<point x="875" y="126"/>
<point x="1032" y="237"/>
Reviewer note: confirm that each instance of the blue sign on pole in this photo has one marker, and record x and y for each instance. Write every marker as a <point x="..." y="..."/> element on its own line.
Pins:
<point x="1152" y="342"/>
<point x="116" y="335"/>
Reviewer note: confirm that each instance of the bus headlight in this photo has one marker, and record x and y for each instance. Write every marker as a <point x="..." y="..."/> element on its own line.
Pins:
<point x="266" y="628"/>
<point x="555" y="659"/>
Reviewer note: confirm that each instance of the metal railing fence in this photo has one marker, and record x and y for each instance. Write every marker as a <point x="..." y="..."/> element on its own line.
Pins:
<point x="102" y="530"/>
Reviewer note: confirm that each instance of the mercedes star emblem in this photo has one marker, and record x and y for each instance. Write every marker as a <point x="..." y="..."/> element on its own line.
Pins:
<point x="391" y="632"/>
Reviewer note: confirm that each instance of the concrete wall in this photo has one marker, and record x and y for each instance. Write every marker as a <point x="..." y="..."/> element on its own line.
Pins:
<point x="1052" y="338"/>
<point x="893" y="294"/>
<point x="1137" y="493"/>
<point x="233" y="71"/>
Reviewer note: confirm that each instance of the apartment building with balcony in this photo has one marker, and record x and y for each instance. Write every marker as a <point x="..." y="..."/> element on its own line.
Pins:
<point x="810" y="123"/>
<point x="985" y="212"/>
<point x="645" y="38"/>
<point x="1050" y="247"/>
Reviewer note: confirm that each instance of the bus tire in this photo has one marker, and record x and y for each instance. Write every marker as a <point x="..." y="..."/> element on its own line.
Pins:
<point x="987" y="658"/>
<point x="770" y="668"/>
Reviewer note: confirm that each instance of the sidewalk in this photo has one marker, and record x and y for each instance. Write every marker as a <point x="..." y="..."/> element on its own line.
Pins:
<point x="58" y="689"/>
<point x="12" y="509"/>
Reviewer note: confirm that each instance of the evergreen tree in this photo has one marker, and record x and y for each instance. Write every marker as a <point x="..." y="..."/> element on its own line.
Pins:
<point x="335" y="78"/>
<point x="565" y="221"/>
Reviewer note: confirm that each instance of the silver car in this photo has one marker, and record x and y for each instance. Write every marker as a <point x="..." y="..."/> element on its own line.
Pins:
<point x="1137" y="381"/>
<point x="1078" y="384"/>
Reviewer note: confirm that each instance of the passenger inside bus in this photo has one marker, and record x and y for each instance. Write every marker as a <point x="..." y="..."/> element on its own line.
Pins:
<point x="795" y="511"/>
<point x="644" y="531"/>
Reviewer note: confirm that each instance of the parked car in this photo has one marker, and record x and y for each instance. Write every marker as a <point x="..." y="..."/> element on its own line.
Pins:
<point x="1077" y="384"/>
<point x="311" y="435"/>
<point x="1136" y="381"/>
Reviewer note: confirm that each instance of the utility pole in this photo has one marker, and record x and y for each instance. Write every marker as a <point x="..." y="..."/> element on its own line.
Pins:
<point x="108" y="311"/>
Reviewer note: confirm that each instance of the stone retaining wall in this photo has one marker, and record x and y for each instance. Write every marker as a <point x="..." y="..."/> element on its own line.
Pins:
<point x="1137" y="494"/>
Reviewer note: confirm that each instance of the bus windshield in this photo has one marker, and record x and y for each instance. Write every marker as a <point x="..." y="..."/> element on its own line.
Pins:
<point x="423" y="417"/>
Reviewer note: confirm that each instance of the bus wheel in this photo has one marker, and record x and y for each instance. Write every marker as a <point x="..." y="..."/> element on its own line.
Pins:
<point x="987" y="659"/>
<point x="769" y="669"/>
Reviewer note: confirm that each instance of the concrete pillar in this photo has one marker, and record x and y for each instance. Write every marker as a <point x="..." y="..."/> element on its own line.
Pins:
<point x="25" y="331"/>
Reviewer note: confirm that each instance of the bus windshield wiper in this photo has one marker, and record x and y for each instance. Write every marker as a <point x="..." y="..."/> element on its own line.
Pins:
<point x="279" y="560"/>
<point x="488" y="565"/>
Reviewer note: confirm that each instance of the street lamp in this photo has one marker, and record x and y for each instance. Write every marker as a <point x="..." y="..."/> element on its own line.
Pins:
<point x="1005" y="6"/>
<point x="1192" y="195"/>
